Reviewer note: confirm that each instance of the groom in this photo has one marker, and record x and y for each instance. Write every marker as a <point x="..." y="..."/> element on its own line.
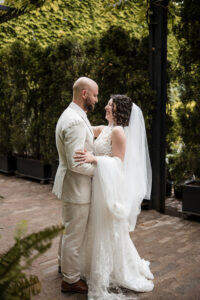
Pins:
<point x="73" y="182"/>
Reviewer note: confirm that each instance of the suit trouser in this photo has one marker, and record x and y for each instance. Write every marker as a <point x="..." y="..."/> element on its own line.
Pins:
<point x="75" y="218"/>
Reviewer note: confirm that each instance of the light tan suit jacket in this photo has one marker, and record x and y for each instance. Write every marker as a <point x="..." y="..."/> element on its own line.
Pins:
<point x="73" y="132"/>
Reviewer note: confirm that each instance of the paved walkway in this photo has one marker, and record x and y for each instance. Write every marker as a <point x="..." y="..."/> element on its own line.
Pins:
<point x="171" y="244"/>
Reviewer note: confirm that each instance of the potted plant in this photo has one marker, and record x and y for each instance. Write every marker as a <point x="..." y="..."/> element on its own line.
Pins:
<point x="28" y="124"/>
<point x="191" y="190"/>
<point x="178" y="172"/>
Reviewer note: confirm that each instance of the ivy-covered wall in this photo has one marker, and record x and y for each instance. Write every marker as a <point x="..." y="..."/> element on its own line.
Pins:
<point x="65" y="18"/>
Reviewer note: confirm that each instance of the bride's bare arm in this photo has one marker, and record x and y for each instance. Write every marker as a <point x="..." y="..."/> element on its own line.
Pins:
<point x="118" y="142"/>
<point x="97" y="130"/>
<point x="118" y="148"/>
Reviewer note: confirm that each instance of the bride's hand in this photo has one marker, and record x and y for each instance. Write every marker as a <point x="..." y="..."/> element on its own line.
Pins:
<point x="83" y="157"/>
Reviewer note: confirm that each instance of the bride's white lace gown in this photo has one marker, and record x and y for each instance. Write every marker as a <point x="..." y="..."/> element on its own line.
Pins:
<point x="109" y="257"/>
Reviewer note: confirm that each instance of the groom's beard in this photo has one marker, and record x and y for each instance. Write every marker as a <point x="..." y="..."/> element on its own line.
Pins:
<point x="88" y="105"/>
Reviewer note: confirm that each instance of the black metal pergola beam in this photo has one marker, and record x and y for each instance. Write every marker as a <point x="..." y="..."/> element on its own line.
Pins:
<point x="9" y="14"/>
<point x="158" y="79"/>
<point x="4" y="7"/>
<point x="12" y="12"/>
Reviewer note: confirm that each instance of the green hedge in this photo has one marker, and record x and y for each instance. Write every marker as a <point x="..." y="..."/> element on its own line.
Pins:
<point x="185" y="162"/>
<point x="37" y="86"/>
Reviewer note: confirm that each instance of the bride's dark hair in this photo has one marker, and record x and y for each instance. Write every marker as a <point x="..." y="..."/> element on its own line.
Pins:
<point x="121" y="109"/>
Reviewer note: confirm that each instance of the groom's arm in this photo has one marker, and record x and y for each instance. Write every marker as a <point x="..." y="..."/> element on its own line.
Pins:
<point x="74" y="137"/>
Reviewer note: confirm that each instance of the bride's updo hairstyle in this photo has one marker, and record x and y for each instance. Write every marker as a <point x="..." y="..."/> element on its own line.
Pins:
<point x="121" y="109"/>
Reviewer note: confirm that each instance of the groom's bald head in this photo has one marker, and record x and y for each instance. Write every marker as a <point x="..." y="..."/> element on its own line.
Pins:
<point x="85" y="93"/>
<point x="83" y="83"/>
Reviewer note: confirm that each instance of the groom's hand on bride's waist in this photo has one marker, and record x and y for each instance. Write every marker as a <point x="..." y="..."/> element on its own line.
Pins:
<point x="84" y="157"/>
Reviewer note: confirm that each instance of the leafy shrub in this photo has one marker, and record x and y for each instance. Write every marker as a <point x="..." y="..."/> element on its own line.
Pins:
<point x="14" y="283"/>
<point x="186" y="162"/>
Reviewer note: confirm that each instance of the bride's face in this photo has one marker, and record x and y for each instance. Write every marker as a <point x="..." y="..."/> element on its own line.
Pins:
<point x="109" y="113"/>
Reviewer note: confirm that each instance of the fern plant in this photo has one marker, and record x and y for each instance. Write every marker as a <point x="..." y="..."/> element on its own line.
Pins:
<point x="14" y="283"/>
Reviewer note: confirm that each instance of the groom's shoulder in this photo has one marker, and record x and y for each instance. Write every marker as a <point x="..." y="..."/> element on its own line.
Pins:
<point x="70" y="113"/>
<point x="70" y="118"/>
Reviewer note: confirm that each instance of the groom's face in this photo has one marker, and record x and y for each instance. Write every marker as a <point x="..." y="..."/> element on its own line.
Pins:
<point x="91" y="98"/>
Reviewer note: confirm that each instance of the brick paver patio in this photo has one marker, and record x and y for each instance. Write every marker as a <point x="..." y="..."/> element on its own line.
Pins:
<point x="171" y="244"/>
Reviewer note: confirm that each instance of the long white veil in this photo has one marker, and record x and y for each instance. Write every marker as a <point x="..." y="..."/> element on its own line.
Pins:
<point x="125" y="184"/>
<point x="137" y="166"/>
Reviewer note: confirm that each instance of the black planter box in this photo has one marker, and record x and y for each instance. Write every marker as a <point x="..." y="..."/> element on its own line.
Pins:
<point x="33" y="168"/>
<point x="7" y="164"/>
<point x="191" y="199"/>
<point x="178" y="189"/>
<point x="54" y="168"/>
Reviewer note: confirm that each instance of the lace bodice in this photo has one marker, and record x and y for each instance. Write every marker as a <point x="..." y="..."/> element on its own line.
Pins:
<point x="102" y="145"/>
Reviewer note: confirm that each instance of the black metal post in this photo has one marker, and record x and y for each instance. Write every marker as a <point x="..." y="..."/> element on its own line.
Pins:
<point x="4" y="7"/>
<point x="8" y="15"/>
<point x="157" y="65"/>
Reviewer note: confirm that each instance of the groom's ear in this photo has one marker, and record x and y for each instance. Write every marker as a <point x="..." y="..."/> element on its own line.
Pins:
<point x="84" y="94"/>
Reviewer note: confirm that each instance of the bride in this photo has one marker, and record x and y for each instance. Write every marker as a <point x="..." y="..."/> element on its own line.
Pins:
<point x="122" y="180"/>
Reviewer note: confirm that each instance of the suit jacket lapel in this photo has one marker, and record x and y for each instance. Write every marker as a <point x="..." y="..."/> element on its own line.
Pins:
<point x="83" y="115"/>
<point x="87" y="122"/>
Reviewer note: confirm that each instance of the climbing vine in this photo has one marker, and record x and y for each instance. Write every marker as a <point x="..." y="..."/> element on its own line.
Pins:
<point x="64" y="18"/>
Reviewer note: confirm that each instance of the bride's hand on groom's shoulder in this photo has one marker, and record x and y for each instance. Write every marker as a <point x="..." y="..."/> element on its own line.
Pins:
<point x="83" y="157"/>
